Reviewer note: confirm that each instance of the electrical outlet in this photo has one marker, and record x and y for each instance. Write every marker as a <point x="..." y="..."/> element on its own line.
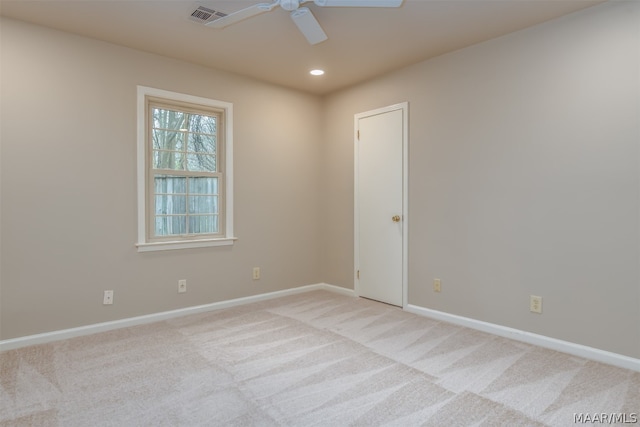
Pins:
<point x="256" y="273"/>
<point x="437" y="286"/>
<point x="108" y="298"/>
<point x="182" y="286"/>
<point x="535" y="304"/>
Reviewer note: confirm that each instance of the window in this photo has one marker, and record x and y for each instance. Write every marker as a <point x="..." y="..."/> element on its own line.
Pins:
<point x="185" y="195"/>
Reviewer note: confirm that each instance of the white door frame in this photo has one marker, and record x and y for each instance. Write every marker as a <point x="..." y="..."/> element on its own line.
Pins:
<point x="404" y="106"/>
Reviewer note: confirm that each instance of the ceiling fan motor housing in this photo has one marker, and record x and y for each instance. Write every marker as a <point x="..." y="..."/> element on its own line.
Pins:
<point x="289" y="4"/>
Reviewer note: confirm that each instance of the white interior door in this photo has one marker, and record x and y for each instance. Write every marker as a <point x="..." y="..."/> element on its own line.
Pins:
<point x="381" y="220"/>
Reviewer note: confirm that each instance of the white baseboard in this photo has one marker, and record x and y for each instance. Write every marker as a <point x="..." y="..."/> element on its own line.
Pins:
<point x="579" y="350"/>
<point x="43" y="338"/>
<point x="503" y="331"/>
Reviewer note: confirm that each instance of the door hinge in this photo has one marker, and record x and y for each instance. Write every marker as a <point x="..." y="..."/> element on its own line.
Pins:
<point x="358" y="274"/>
<point x="358" y="134"/>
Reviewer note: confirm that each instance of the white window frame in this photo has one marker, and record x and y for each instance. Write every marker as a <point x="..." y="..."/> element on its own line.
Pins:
<point x="144" y="244"/>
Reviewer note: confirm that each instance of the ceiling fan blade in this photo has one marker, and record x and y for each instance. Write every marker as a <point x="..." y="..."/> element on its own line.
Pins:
<point x="308" y="25"/>
<point x="358" y="3"/>
<point x="241" y="15"/>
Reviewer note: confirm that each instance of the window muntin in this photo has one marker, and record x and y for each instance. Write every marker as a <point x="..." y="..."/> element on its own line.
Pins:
<point x="184" y="148"/>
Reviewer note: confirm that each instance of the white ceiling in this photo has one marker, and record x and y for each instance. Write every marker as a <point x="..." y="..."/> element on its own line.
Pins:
<point x="363" y="42"/>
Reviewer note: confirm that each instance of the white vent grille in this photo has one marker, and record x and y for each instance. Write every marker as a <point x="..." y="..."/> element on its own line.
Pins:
<point x="204" y="15"/>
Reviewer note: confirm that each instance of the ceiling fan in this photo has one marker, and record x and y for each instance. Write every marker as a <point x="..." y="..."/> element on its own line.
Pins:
<point x="301" y="16"/>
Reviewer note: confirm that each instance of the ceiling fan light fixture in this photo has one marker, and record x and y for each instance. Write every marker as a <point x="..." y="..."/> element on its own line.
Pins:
<point x="289" y="5"/>
<point x="316" y="72"/>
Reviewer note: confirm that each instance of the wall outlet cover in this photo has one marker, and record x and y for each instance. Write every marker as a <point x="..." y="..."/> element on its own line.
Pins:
<point x="535" y="304"/>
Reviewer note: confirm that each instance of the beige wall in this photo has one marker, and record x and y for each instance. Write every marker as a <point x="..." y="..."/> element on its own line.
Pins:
<point x="524" y="178"/>
<point x="69" y="185"/>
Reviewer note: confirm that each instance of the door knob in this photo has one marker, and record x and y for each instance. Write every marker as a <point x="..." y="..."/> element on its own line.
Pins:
<point x="395" y="218"/>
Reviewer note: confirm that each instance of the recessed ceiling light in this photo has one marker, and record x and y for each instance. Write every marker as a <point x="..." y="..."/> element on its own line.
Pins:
<point x="316" y="72"/>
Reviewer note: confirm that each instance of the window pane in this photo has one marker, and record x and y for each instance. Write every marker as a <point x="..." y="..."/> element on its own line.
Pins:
<point x="172" y="160"/>
<point x="168" y="140"/>
<point x="203" y="224"/>
<point x="168" y="119"/>
<point x="202" y="124"/>
<point x="203" y="204"/>
<point x="203" y="185"/>
<point x="201" y="162"/>
<point x="202" y="143"/>
<point x="168" y="205"/>
<point x="171" y="225"/>
<point x="165" y="184"/>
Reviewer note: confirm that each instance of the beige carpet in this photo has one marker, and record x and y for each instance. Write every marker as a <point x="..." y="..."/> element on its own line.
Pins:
<point x="314" y="359"/>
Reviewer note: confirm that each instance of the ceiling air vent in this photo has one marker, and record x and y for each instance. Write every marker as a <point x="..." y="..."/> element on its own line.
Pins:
<point x="204" y="15"/>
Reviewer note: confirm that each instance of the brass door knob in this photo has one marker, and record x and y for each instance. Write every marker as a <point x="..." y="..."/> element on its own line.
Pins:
<point x="395" y="218"/>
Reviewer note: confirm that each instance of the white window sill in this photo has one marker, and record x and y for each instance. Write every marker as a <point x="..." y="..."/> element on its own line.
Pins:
<point x="185" y="244"/>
